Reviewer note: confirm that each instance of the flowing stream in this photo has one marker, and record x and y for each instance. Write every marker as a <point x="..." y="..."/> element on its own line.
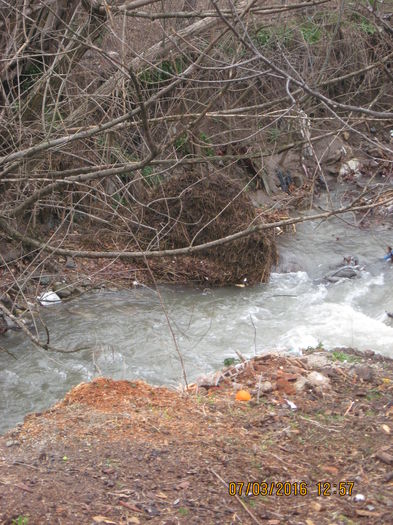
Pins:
<point x="128" y="336"/>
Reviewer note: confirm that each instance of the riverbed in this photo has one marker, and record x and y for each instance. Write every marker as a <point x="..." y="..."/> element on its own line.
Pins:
<point x="126" y="333"/>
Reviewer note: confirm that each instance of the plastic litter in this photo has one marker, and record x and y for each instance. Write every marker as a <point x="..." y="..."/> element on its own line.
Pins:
<point x="49" y="298"/>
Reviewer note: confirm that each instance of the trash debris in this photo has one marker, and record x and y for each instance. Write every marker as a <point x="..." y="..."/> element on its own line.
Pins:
<point x="243" y="395"/>
<point x="285" y="180"/>
<point x="291" y="405"/>
<point x="351" y="167"/>
<point x="48" y="298"/>
<point x="359" y="497"/>
<point x="389" y="254"/>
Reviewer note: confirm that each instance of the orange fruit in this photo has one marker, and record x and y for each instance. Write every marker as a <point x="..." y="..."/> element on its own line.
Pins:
<point x="243" y="395"/>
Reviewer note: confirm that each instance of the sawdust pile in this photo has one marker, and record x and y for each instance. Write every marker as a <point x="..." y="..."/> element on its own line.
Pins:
<point x="195" y="209"/>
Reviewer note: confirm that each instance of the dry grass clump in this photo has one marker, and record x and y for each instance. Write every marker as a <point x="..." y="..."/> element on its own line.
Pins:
<point x="195" y="209"/>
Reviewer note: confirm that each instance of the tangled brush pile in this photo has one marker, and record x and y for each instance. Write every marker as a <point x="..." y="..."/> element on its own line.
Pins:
<point x="195" y="209"/>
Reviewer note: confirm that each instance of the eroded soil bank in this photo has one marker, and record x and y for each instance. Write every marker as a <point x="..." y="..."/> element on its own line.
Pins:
<point x="124" y="452"/>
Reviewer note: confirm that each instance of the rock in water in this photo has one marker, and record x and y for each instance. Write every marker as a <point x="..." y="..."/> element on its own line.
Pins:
<point x="346" y="272"/>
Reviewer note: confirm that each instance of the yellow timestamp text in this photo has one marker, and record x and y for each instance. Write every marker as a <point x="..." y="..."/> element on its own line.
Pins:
<point x="290" y="488"/>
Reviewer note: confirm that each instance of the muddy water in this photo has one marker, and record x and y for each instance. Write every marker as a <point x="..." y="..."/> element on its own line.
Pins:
<point x="128" y="336"/>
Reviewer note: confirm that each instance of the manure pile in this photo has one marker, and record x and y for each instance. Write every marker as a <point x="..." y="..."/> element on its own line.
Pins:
<point x="194" y="208"/>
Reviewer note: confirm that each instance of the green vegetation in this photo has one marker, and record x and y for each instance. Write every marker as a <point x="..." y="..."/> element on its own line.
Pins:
<point x="229" y="361"/>
<point x="119" y="201"/>
<point x="208" y="151"/>
<point x="164" y="72"/>
<point x="365" y="25"/>
<point x="29" y="76"/>
<point x="271" y="36"/>
<point x="311" y="32"/>
<point x="273" y="134"/>
<point x="346" y="521"/>
<point x="20" y="520"/>
<point x="373" y="395"/>
<point x="344" y="358"/>
<point x="150" y="178"/>
<point x="311" y="349"/>
<point x="181" y="144"/>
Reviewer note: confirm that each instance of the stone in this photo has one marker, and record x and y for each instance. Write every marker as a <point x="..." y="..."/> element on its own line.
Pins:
<point x="266" y="387"/>
<point x="318" y="380"/>
<point x="44" y="280"/>
<point x="364" y="372"/>
<point x="70" y="263"/>
<point x="64" y="293"/>
<point x="346" y="272"/>
<point x="12" y="443"/>
<point x="10" y="323"/>
<point x="317" y="360"/>
<point x="333" y="156"/>
<point x="8" y="254"/>
<point x="6" y="300"/>
<point x="300" y="383"/>
<point x="350" y="167"/>
<point x="57" y="286"/>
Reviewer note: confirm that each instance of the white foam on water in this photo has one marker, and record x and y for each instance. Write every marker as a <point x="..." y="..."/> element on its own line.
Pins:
<point x="361" y="287"/>
<point x="334" y="325"/>
<point x="290" y="278"/>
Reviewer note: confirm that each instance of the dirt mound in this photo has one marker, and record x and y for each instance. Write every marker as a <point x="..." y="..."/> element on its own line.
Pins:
<point x="195" y="209"/>
<point x="104" y="394"/>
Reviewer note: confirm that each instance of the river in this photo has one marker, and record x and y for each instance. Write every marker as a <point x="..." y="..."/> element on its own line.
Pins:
<point x="128" y="335"/>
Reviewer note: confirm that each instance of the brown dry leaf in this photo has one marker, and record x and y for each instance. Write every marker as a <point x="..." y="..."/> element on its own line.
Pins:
<point x="129" y="506"/>
<point x="134" y="520"/>
<point x="183" y="484"/>
<point x="386" y="429"/>
<point x="309" y="522"/>
<point x="330" y="469"/>
<point x="103" y="519"/>
<point x="316" y="507"/>
<point x="162" y="495"/>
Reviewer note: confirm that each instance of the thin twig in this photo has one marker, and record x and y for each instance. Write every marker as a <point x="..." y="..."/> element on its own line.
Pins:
<point x="255" y="519"/>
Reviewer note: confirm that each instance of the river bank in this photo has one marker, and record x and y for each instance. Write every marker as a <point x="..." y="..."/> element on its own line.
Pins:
<point x="126" y="452"/>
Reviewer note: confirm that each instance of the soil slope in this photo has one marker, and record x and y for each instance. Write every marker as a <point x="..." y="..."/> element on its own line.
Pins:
<point x="121" y="452"/>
